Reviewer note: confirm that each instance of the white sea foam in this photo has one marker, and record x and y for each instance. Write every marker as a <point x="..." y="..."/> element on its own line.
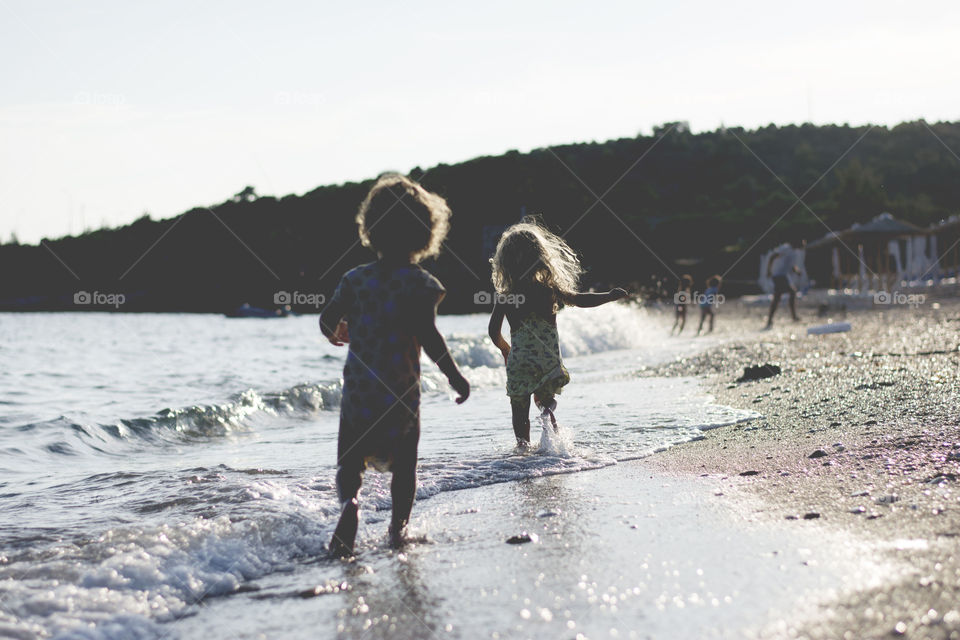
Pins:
<point x="606" y="328"/>
<point x="131" y="578"/>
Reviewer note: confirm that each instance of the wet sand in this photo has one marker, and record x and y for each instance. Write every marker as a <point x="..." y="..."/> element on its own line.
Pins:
<point x="862" y="436"/>
<point x="618" y="552"/>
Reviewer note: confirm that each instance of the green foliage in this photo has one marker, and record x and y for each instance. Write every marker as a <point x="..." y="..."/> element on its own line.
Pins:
<point x="632" y="207"/>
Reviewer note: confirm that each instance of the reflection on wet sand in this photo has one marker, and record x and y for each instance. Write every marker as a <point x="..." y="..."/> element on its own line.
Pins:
<point x="391" y="602"/>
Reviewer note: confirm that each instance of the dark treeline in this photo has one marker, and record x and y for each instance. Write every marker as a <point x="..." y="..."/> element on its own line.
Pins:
<point x="674" y="202"/>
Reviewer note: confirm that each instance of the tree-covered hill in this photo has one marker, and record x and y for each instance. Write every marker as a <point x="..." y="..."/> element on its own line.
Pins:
<point x="665" y="204"/>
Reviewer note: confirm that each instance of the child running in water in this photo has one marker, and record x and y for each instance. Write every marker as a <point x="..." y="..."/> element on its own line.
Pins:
<point x="389" y="308"/>
<point x="709" y="301"/>
<point x="681" y="300"/>
<point x="535" y="273"/>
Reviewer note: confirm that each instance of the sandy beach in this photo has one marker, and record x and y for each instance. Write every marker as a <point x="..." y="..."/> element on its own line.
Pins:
<point x="861" y="436"/>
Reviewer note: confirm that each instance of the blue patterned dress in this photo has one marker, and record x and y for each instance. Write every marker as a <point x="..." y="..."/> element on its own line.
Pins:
<point x="380" y="409"/>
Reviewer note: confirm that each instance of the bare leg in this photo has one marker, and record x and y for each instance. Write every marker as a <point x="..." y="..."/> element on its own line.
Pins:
<point x="703" y="314"/>
<point x="521" y="418"/>
<point x="773" y="307"/>
<point x="403" y="490"/>
<point x="793" y="305"/>
<point x="349" y="479"/>
<point x="683" y="321"/>
<point x="712" y="314"/>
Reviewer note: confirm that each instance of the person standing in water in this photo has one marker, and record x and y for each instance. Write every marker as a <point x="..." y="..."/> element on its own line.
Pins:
<point x="709" y="301"/>
<point x="535" y="274"/>
<point x="387" y="311"/>
<point x="681" y="300"/>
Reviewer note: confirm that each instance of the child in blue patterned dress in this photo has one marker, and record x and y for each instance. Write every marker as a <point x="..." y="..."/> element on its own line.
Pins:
<point x="387" y="311"/>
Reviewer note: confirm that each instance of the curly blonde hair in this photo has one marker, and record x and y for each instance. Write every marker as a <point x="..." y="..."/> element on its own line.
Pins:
<point x="401" y="218"/>
<point x="529" y="255"/>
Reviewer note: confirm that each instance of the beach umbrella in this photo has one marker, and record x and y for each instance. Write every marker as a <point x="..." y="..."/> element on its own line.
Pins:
<point x="864" y="250"/>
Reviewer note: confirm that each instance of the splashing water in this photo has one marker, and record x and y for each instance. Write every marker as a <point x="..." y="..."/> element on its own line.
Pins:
<point x="557" y="443"/>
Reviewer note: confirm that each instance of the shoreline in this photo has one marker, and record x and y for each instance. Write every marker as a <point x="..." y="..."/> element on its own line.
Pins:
<point x="673" y="544"/>
<point x="679" y="543"/>
<point x="860" y="435"/>
<point x="615" y="552"/>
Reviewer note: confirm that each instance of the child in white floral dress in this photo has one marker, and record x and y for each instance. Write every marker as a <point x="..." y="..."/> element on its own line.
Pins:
<point x="535" y="273"/>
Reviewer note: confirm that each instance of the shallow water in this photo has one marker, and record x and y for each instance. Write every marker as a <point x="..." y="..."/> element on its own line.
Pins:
<point x="150" y="462"/>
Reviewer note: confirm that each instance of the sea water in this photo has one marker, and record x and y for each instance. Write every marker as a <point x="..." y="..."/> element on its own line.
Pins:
<point x="151" y="462"/>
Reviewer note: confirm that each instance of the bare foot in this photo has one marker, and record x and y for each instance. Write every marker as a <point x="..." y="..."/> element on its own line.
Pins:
<point x="337" y="549"/>
<point x="341" y="545"/>
<point x="397" y="537"/>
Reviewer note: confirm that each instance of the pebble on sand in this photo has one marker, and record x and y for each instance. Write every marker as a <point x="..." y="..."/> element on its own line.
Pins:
<point x="759" y="372"/>
<point x="523" y="538"/>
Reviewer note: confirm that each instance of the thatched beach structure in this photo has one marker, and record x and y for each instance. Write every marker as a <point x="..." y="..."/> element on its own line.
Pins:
<point x="877" y="255"/>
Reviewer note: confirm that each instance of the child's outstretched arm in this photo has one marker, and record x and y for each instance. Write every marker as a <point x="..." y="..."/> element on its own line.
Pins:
<point x="495" y="329"/>
<point x="436" y="347"/>
<point x="588" y="299"/>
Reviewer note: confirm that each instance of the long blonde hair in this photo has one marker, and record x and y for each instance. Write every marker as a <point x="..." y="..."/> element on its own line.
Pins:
<point x="528" y="255"/>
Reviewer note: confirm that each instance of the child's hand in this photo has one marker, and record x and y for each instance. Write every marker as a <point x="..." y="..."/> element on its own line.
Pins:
<point x="461" y="386"/>
<point x="341" y="335"/>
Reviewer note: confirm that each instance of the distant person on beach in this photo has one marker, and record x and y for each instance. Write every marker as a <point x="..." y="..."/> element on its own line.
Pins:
<point x="709" y="301"/>
<point x="535" y="274"/>
<point x="779" y="266"/>
<point x="681" y="299"/>
<point x="386" y="310"/>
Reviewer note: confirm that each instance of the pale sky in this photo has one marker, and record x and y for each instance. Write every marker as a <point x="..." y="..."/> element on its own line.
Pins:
<point x="115" y="108"/>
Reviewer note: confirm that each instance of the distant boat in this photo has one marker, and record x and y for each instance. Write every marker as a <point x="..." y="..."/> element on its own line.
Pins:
<point x="247" y="311"/>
